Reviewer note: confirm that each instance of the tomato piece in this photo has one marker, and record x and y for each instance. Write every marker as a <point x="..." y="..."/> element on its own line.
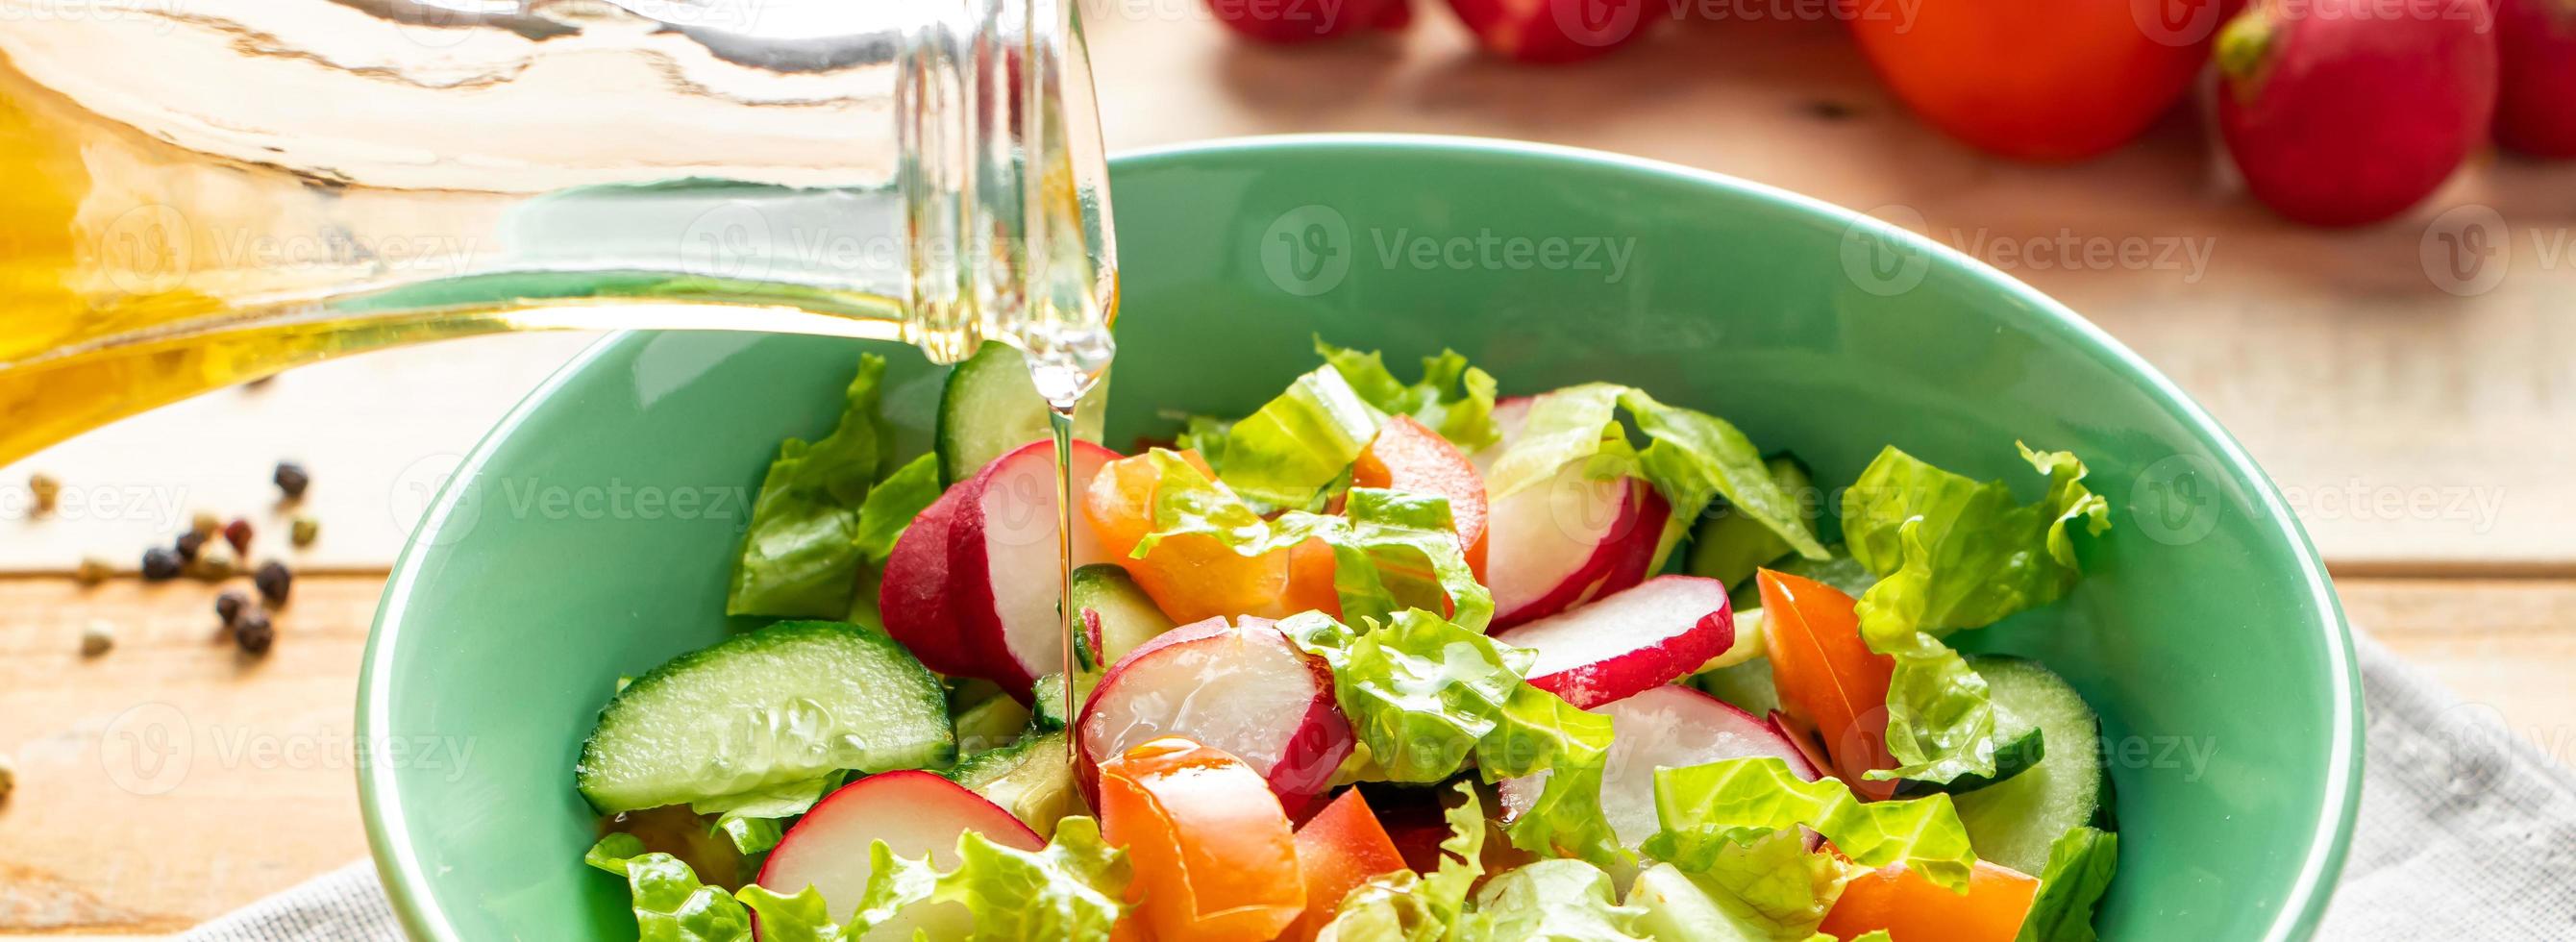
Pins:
<point x="1407" y="455"/>
<point x="1191" y="577"/>
<point x="2046" y="80"/>
<point x="1829" y="679"/>
<point x="1913" y="909"/>
<point x="1339" y="848"/>
<point x="1214" y="857"/>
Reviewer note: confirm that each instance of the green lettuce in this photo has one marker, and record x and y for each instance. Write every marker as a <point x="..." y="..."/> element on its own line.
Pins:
<point x="2080" y="866"/>
<point x="1204" y="434"/>
<point x="800" y="555"/>
<point x="671" y="905"/>
<point x="1692" y="458"/>
<point x="1453" y="398"/>
<point x="1557" y="901"/>
<point x="1424" y="695"/>
<point x="755" y="820"/>
<point x="1073" y="889"/>
<point x="1952" y="554"/>
<point x="1988" y="556"/>
<point x="1728" y="545"/>
<point x="1706" y="809"/>
<point x="1772" y="889"/>
<point x="1405" y="906"/>
<point x="891" y="506"/>
<point x="1295" y="446"/>
<point x="1391" y="549"/>
<point x="804" y="917"/>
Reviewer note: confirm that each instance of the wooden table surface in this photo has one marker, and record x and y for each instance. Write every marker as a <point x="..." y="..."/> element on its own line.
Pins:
<point x="2424" y="429"/>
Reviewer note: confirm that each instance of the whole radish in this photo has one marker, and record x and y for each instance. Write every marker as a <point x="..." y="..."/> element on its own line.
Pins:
<point x="1551" y="31"/>
<point x="2346" y="112"/>
<point x="2536" y="94"/>
<point x="1297" y="21"/>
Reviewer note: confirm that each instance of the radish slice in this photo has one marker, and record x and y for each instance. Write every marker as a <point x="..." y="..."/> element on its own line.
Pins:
<point x="913" y="597"/>
<point x="1002" y="561"/>
<point x="915" y="813"/>
<point x="1651" y="634"/>
<point x="1242" y="688"/>
<point x="1556" y="544"/>
<point x="1666" y="727"/>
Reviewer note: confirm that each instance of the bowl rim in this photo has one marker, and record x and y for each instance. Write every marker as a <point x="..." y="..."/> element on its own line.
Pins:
<point x="393" y="848"/>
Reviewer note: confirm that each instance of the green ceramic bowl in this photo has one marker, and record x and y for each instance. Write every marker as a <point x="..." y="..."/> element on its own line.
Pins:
<point x="591" y="534"/>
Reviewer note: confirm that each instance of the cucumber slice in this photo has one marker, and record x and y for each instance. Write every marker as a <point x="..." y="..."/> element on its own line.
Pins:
<point x="1046" y="701"/>
<point x="1032" y="779"/>
<point x="990" y="725"/>
<point x="786" y="703"/>
<point x="2014" y="821"/>
<point x="1745" y="686"/>
<point x="1115" y="615"/>
<point x="991" y="406"/>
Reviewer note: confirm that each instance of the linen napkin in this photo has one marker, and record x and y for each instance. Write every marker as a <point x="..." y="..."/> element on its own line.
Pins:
<point x="2466" y="832"/>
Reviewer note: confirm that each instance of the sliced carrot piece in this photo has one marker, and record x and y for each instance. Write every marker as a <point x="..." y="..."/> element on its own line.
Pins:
<point x="1913" y="909"/>
<point x="1191" y="577"/>
<point x="1339" y="848"/>
<point x="1829" y="679"/>
<point x="1214" y="857"/>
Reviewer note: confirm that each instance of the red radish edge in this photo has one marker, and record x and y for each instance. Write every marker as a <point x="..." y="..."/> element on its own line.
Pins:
<point x="1542" y="552"/>
<point x="1664" y="727"/>
<point x="1002" y="556"/>
<point x="913" y="597"/>
<point x="1238" y="685"/>
<point x="914" y="812"/>
<point x="1645" y="636"/>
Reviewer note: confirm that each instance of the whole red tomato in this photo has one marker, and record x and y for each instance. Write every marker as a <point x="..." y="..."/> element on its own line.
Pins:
<point x="2044" y="80"/>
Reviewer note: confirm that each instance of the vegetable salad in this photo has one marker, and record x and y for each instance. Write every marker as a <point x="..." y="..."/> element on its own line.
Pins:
<point x="1381" y="660"/>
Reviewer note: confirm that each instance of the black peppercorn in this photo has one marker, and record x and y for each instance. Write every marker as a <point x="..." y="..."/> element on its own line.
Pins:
<point x="160" y="564"/>
<point x="292" y="479"/>
<point x="189" y="543"/>
<point x="229" y="605"/>
<point x="253" y="632"/>
<point x="273" y="579"/>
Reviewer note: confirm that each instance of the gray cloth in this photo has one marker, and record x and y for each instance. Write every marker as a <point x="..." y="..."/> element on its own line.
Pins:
<point x="2467" y="832"/>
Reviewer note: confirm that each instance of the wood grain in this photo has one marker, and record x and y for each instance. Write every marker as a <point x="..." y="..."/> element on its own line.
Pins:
<point x="94" y="842"/>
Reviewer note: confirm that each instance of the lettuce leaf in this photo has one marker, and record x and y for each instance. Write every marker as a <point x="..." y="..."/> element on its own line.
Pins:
<point x="1557" y="901"/>
<point x="1988" y="557"/>
<point x="1706" y="809"/>
<point x="1691" y="457"/>
<point x="756" y="820"/>
<point x="1423" y="694"/>
<point x="1770" y="890"/>
<point x="1073" y="889"/>
<point x="1405" y="906"/>
<point x="1453" y="398"/>
<point x="1204" y="434"/>
<point x="670" y="904"/>
<point x="804" y="917"/>
<point x="2080" y="866"/>
<point x="800" y="555"/>
<point x="1941" y="719"/>
<point x="1391" y="549"/>
<point x="893" y="503"/>
<point x="1729" y="545"/>
<point x="1292" y="448"/>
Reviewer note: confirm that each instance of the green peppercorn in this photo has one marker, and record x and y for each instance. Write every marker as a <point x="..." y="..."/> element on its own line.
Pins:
<point x="97" y="637"/>
<point x="47" y="491"/>
<point x="305" y="529"/>
<point x="93" y="570"/>
<point x="205" y="524"/>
